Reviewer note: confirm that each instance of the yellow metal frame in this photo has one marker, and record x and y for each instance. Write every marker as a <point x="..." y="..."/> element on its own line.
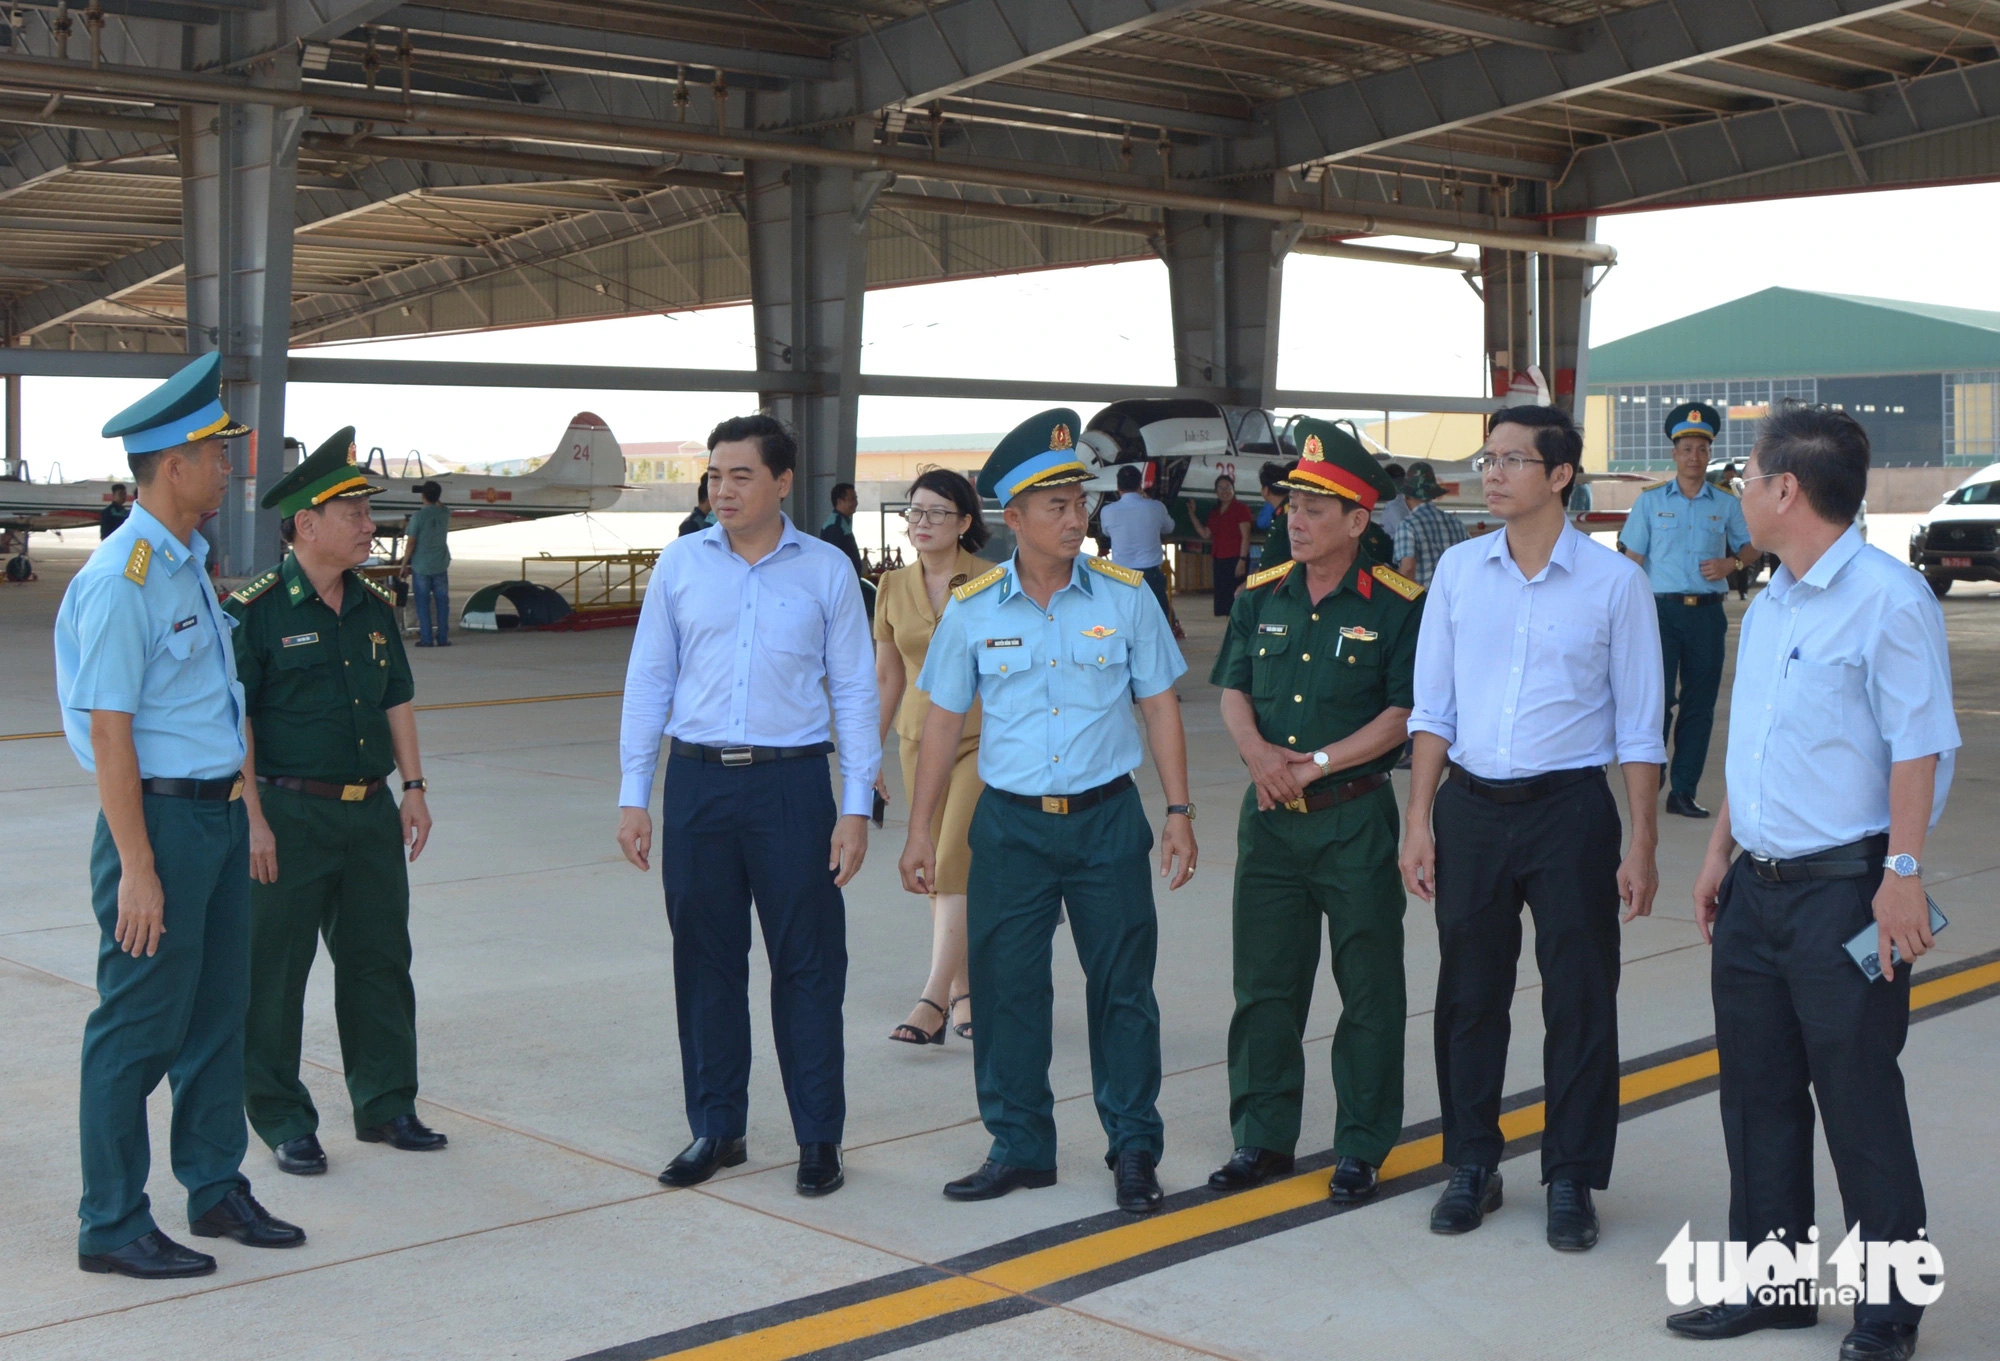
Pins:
<point x="598" y="581"/>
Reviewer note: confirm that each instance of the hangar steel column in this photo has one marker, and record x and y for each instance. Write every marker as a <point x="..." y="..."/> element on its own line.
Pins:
<point x="1538" y="312"/>
<point x="239" y="183"/>
<point x="1225" y="276"/>
<point x="807" y="228"/>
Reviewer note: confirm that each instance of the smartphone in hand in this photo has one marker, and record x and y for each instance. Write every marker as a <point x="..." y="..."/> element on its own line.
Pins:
<point x="881" y="809"/>
<point x="1862" y="948"/>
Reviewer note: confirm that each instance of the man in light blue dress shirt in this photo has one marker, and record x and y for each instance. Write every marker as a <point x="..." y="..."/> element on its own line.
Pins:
<point x="1058" y="648"/>
<point x="749" y="629"/>
<point x="1842" y="740"/>
<point x="1689" y="535"/>
<point x="1538" y="664"/>
<point x="151" y="706"/>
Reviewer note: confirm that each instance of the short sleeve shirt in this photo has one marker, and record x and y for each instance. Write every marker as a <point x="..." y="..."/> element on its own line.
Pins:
<point x="1319" y="672"/>
<point x="1674" y="534"/>
<point x="904" y="620"/>
<point x="429" y="527"/>
<point x="1228" y="527"/>
<point x="318" y="684"/>
<point x="1136" y="524"/>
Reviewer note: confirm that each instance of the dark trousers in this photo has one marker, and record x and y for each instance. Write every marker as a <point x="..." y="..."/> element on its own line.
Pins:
<point x="1225" y="584"/>
<point x="1025" y="865"/>
<point x="731" y="836"/>
<point x="1559" y="855"/>
<point x="341" y="875"/>
<point x="433" y="592"/>
<point x="1156" y="581"/>
<point x="1792" y="1011"/>
<point x="1691" y="645"/>
<point x="176" y="1014"/>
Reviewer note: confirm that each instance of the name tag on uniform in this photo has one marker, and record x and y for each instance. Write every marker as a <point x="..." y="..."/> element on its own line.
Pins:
<point x="299" y="640"/>
<point x="1274" y="630"/>
<point x="1665" y="514"/>
<point x="181" y="624"/>
<point x="1003" y="642"/>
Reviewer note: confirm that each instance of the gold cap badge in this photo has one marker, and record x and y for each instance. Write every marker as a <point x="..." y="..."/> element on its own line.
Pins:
<point x="1060" y="438"/>
<point x="1314" y="449"/>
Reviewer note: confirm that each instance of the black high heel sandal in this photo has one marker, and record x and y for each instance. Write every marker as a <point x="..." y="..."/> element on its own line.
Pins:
<point x="909" y="1034"/>
<point x="964" y="1028"/>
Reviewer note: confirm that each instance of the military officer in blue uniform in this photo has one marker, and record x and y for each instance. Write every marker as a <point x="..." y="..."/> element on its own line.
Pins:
<point x="151" y="705"/>
<point x="1689" y="535"/>
<point x="1058" y="649"/>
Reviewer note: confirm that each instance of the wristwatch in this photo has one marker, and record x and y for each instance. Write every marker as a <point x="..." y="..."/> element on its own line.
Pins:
<point x="1186" y="810"/>
<point x="1320" y="760"/>
<point x="1903" y="866"/>
<point x="418" y="785"/>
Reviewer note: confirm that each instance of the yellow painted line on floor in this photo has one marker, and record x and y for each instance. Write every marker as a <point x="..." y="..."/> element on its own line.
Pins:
<point x="1037" y="1270"/>
<point x="421" y="708"/>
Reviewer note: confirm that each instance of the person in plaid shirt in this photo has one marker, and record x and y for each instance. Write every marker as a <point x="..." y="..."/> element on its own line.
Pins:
<point x="1426" y="531"/>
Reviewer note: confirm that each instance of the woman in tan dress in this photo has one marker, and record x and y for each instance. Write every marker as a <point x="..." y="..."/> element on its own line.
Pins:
<point x="945" y="529"/>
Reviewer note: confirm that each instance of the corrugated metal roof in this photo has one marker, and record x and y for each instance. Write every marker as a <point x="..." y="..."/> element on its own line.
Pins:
<point x="1792" y="333"/>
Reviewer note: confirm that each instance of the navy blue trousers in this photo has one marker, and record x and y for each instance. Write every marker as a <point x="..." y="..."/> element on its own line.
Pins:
<point x="731" y="836"/>
<point x="1692" y="645"/>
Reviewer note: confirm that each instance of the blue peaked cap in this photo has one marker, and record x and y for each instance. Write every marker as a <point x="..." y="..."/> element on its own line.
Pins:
<point x="185" y="408"/>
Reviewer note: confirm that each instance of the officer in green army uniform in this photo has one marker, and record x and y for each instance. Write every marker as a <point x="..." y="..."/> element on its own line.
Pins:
<point x="327" y="687"/>
<point x="1316" y="677"/>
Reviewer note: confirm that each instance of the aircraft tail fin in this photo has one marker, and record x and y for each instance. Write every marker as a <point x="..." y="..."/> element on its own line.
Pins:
<point x="587" y="456"/>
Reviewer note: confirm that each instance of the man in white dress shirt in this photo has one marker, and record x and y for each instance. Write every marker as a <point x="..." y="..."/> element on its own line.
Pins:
<point x="1538" y="664"/>
<point x="748" y="629"/>
<point x="1841" y="747"/>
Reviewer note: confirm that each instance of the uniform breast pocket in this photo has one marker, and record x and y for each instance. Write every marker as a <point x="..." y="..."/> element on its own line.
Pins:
<point x="1104" y="676"/>
<point x="1007" y="684"/>
<point x="1270" y="659"/>
<point x="301" y="656"/>
<point x="185" y="650"/>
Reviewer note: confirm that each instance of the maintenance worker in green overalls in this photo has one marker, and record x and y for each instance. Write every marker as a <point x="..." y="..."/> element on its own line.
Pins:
<point x="1316" y="675"/>
<point x="151" y="707"/>
<point x="327" y="687"/>
<point x="1059" y="649"/>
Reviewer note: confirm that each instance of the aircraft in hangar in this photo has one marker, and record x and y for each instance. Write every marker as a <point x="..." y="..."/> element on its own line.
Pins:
<point x="586" y="472"/>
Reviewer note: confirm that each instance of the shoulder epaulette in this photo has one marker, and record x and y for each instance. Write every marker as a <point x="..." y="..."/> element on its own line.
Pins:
<point x="1725" y="487"/>
<point x="1654" y="486"/>
<point x="139" y="562"/>
<point x="250" y="590"/>
<point x="1396" y="581"/>
<point x="1129" y="576"/>
<point x="387" y="596"/>
<point x="1269" y="575"/>
<point x="978" y="584"/>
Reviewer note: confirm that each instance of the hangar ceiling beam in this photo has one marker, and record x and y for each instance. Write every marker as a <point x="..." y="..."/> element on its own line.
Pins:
<point x="1433" y="17"/>
<point x="954" y="47"/>
<point x="521" y="38"/>
<point x="1773" y="85"/>
<point x="1379" y="112"/>
<point x="1664" y="164"/>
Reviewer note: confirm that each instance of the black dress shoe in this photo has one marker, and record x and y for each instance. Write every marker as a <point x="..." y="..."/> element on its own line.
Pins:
<point x="149" y="1257"/>
<point x="1572" y="1218"/>
<point x="1353" y="1182"/>
<point x="239" y="1216"/>
<point x="302" y="1157"/>
<point x="1132" y="1174"/>
<point x="1682" y="805"/>
<point x="698" y="1162"/>
<point x="1249" y="1166"/>
<point x="1716" y="1321"/>
<point x="994" y="1180"/>
<point x="1473" y="1194"/>
<point x="405" y="1132"/>
<point x="820" y="1172"/>
<point x="1879" y="1341"/>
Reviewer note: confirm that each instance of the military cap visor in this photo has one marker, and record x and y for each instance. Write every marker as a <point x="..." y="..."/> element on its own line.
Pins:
<point x="185" y="409"/>
<point x="329" y="474"/>
<point x="1039" y="452"/>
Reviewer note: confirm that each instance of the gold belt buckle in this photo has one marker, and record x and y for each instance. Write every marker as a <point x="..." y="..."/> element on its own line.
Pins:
<point x="1054" y="804"/>
<point x="236" y="788"/>
<point x="1297" y="805"/>
<point x="1690" y="600"/>
<point x="353" y="793"/>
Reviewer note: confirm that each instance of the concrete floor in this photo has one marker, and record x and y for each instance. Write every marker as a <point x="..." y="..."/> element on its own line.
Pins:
<point x="549" y="1057"/>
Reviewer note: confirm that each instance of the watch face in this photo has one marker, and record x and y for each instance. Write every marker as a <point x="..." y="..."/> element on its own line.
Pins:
<point x="1320" y="759"/>
<point x="1905" y="865"/>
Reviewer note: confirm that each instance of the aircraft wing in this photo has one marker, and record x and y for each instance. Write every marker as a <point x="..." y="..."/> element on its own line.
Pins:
<point x="38" y="507"/>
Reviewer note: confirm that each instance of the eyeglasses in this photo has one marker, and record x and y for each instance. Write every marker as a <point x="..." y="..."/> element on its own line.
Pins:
<point x="1760" y="477"/>
<point x="1513" y="463"/>
<point x="931" y="515"/>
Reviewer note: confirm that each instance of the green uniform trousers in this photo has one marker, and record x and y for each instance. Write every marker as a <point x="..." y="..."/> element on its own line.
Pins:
<point x="1025" y="865"/>
<point x="176" y="1014"/>
<point x="341" y="874"/>
<point x="1292" y="870"/>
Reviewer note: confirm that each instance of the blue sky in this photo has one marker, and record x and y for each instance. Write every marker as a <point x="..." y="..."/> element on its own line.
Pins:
<point x="1347" y="325"/>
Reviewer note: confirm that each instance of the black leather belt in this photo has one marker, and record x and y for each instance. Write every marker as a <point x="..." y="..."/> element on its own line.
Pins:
<point x="746" y="756"/>
<point x="1070" y="803"/>
<point x="1699" y="598"/>
<point x="322" y="789"/>
<point x="225" y="790"/>
<point x="1524" y="790"/>
<point x="1853" y="861"/>
<point x="1339" y="794"/>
